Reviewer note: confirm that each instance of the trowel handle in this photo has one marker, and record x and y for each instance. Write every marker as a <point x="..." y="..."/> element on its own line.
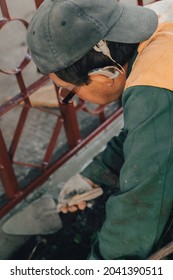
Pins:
<point x="86" y="196"/>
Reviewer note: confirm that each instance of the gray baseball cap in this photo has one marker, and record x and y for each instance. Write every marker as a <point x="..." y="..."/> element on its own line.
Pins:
<point x="63" y="31"/>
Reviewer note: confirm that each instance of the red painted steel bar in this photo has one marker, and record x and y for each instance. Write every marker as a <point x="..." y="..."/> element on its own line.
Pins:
<point x="18" y="131"/>
<point x="70" y="124"/>
<point x="140" y="2"/>
<point x="38" y="3"/>
<point x="7" y="174"/>
<point x="4" y="9"/>
<point x="52" y="142"/>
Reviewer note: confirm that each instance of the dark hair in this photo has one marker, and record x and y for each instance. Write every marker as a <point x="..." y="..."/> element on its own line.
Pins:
<point x="77" y="73"/>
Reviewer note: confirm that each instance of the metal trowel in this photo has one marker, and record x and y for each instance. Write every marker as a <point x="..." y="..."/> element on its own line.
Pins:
<point x="39" y="217"/>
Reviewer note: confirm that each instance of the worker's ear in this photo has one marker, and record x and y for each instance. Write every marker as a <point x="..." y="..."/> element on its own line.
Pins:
<point x="97" y="78"/>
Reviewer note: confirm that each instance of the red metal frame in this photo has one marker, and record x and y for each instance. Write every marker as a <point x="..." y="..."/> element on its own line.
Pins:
<point x="141" y="2"/>
<point x="66" y="118"/>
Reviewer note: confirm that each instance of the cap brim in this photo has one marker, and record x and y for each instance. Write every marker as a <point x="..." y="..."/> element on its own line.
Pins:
<point x="136" y="24"/>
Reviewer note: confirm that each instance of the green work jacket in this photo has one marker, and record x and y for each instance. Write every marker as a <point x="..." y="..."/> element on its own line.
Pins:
<point x="138" y="164"/>
<point x="142" y="157"/>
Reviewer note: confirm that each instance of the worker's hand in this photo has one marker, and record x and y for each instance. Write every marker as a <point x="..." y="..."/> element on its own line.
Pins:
<point x="76" y="194"/>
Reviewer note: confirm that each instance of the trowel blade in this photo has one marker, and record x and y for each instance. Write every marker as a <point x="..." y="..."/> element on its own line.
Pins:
<point x="40" y="217"/>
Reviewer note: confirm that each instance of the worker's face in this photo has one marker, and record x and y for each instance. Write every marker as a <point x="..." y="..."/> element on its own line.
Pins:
<point x="101" y="90"/>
